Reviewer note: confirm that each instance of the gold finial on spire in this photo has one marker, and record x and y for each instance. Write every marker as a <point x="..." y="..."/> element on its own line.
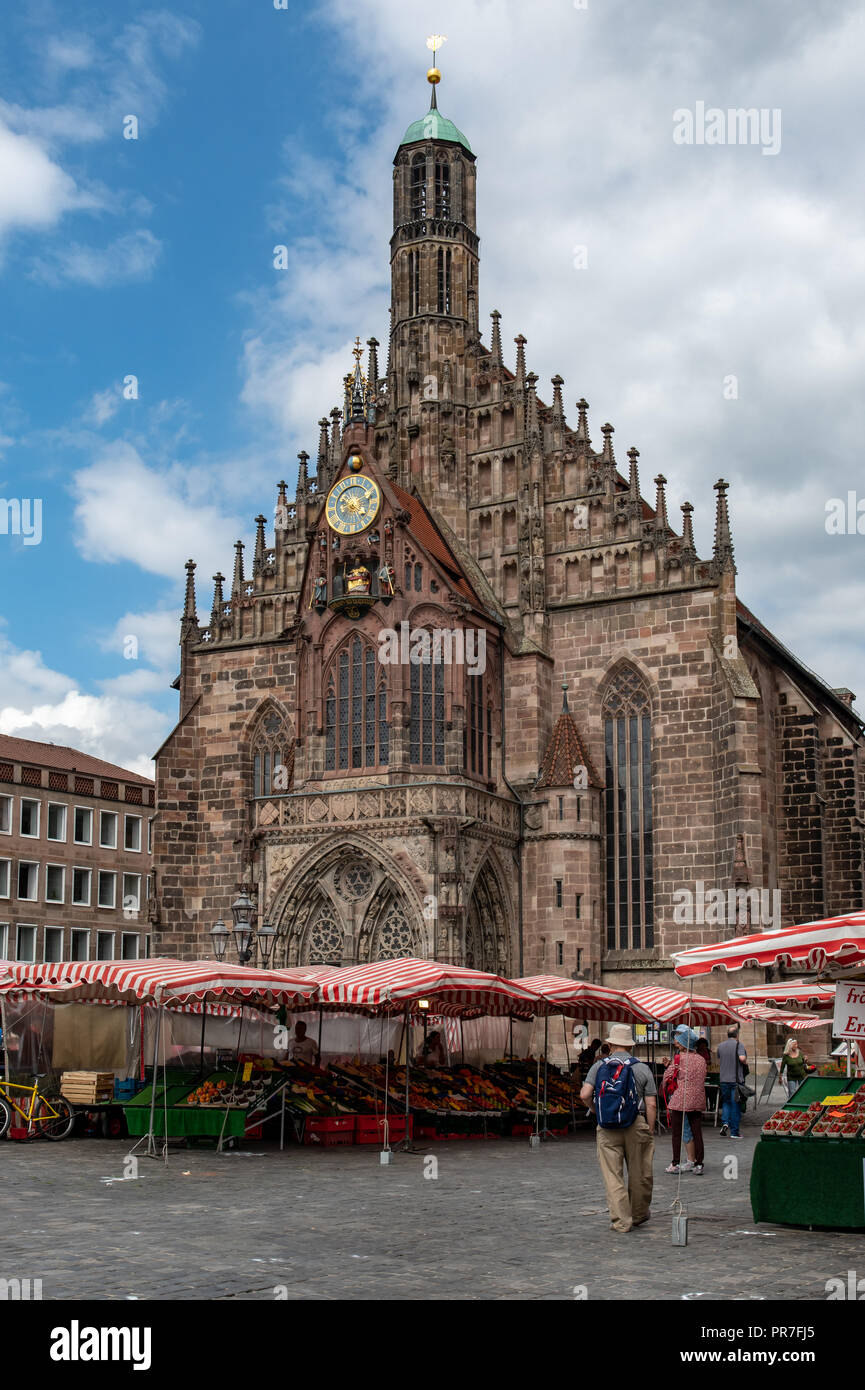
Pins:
<point x="357" y="350"/>
<point x="435" y="42"/>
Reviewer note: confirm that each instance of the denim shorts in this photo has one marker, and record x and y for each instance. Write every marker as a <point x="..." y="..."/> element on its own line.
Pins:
<point x="687" y="1134"/>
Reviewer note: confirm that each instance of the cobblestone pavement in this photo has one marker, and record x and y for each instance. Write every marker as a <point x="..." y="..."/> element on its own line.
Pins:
<point x="500" y="1221"/>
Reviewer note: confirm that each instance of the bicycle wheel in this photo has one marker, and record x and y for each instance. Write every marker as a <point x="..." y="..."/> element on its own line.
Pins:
<point x="5" y="1119"/>
<point x="54" y="1117"/>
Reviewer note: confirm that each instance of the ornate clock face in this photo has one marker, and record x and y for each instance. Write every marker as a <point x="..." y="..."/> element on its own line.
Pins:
<point x="352" y="504"/>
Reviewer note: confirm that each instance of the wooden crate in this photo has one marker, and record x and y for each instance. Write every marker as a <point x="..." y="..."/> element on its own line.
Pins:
<point x="87" y="1087"/>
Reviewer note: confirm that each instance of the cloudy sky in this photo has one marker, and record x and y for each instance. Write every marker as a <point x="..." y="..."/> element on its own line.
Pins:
<point x="716" y="316"/>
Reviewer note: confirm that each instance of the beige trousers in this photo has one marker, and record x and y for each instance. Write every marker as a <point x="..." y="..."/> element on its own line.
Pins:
<point x="629" y="1206"/>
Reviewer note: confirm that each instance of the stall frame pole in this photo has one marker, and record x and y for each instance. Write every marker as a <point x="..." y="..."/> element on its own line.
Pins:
<point x="149" y="1139"/>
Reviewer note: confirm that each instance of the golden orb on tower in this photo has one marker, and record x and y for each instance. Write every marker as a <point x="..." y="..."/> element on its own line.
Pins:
<point x="434" y="42"/>
<point x="433" y="76"/>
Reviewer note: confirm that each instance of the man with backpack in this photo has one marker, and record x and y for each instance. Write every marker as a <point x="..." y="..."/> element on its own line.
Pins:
<point x="624" y="1097"/>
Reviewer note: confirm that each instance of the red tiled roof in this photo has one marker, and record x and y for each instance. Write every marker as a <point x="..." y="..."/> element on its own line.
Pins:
<point x="57" y="755"/>
<point x="565" y="751"/>
<point x="423" y="528"/>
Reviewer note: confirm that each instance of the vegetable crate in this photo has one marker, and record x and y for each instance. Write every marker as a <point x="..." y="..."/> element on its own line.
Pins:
<point x="370" y="1129"/>
<point x="329" y="1130"/>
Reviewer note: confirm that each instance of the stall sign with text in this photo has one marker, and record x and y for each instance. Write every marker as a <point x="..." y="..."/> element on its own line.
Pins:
<point x="849" y="1010"/>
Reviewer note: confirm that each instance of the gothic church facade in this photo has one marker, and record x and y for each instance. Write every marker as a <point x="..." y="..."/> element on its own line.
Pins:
<point x="620" y="727"/>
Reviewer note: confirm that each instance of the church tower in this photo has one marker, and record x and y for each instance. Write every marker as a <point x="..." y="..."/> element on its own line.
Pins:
<point x="434" y="307"/>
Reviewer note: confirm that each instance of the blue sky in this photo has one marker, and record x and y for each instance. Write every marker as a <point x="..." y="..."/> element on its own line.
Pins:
<point x="259" y="126"/>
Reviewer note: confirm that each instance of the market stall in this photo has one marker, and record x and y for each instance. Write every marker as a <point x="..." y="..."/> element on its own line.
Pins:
<point x="809" y="1164"/>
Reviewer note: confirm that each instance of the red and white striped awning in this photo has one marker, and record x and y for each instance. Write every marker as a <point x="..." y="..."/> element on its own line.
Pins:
<point x="390" y="986"/>
<point x="784" y="994"/>
<point x="675" y="1006"/>
<point x="166" y="982"/>
<point x="762" y="1014"/>
<point x="837" y="939"/>
<point x="582" y="999"/>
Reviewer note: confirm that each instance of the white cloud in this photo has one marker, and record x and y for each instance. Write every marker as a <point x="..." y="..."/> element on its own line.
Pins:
<point x="45" y="705"/>
<point x="103" y="406"/>
<point x="34" y="191"/>
<point x="129" y="257"/>
<point x="125" y="510"/>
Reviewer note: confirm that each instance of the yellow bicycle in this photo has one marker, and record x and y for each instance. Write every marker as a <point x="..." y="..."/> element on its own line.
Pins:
<point x="52" y="1117"/>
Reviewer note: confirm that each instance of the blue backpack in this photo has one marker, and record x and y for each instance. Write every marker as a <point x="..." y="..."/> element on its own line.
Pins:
<point x="617" y="1102"/>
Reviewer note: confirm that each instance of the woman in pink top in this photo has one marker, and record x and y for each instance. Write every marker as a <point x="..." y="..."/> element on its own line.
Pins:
<point x="688" y="1070"/>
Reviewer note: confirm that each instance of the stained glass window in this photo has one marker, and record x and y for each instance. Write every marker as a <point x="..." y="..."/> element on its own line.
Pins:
<point x="356" y="732"/>
<point x="427" y="712"/>
<point x="272" y="757"/>
<point x="443" y="188"/>
<point x="628" y="812"/>
<point x="418" y="187"/>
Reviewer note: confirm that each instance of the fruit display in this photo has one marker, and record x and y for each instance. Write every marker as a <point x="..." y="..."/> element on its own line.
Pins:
<point x="820" y="1121"/>
<point x="234" y="1095"/>
<point x="519" y="1080"/>
<point x="312" y="1091"/>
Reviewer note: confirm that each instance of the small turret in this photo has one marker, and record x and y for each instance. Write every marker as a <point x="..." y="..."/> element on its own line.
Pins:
<point x="496" y="342"/>
<point x="723" y="550"/>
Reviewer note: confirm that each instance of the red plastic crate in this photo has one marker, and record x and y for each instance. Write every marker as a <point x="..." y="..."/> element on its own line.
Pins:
<point x="370" y="1129"/>
<point x="321" y="1129"/>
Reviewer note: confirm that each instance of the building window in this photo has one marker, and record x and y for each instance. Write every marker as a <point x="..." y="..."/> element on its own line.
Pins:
<point x="5" y="875"/>
<point x="579" y="906"/>
<point x="55" y="883"/>
<point x="83" y="828"/>
<point x="80" y="945"/>
<point x="479" y="730"/>
<point x="81" y="887"/>
<point x="131" y="893"/>
<point x="28" y="881"/>
<point x="427" y="734"/>
<point x="418" y="188"/>
<point x="56" y="821"/>
<point x="25" y="943"/>
<point x="29" y="818"/>
<point x="107" y="892"/>
<point x="53" y="943"/>
<point x="413" y="282"/>
<point x="132" y="834"/>
<point x="355" y="709"/>
<point x="561" y="808"/>
<point x="4" y="940"/>
<point x="418" y="578"/>
<point x="150" y="837"/>
<point x="105" y="945"/>
<point x="558" y="892"/>
<point x="560" y="953"/>
<point x="5" y="815"/>
<point x="129" y="946"/>
<point x="272" y="757"/>
<point x="108" y="829"/>
<point x="443" y="188"/>
<point x="444" y="281"/>
<point x="628" y="812"/>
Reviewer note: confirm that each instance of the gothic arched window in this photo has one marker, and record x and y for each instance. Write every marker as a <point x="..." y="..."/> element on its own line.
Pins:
<point x="418" y="188"/>
<point x="325" y="940"/>
<point x="628" y="811"/>
<point x="479" y="727"/>
<point x="394" y="938"/>
<point x="427" y="736"/>
<point x="444" y="281"/>
<point x="356" y="731"/>
<point x="443" y="188"/>
<point x="272" y="756"/>
<point x="413" y="282"/>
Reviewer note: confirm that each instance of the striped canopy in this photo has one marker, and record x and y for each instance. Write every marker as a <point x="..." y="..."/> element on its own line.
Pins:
<point x="390" y="986"/>
<point x="838" y="939"/>
<point x="154" y="981"/>
<point x="581" y="999"/>
<point x="784" y="993"/>
<point x="674" y="1006"/>
<point x="762" y="1014"/>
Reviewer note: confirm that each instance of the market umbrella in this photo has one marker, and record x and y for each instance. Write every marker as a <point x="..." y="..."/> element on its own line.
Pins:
<point x="837" y="939"/>
<point x="399" y="986"/>
<point x="166" y="982"/>
<point x="675" y="1006"/>
<point x="764" y="1014"/>
<point x="785" y="993"/>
